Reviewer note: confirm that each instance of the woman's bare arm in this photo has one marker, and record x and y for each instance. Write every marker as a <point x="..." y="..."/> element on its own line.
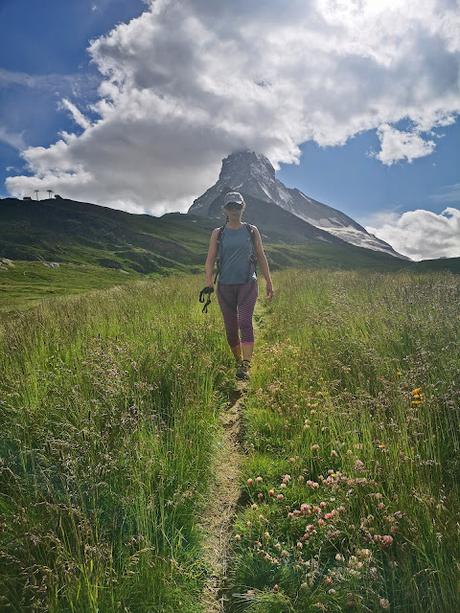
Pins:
<point x="211" y="258"/>
<point x="262" y="258"/>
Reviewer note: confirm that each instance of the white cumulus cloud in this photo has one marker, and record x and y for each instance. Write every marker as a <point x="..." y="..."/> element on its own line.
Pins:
<point x="399" y="145"/>
<point x="186" y="83"/>
<point x="420" y="234"/>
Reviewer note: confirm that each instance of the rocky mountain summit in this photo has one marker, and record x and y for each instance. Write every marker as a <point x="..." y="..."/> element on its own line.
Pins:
<point x="253" y="175"/>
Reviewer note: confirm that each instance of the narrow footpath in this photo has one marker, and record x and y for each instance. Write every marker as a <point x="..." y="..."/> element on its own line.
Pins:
<point x="224" y="494"/>
<point x="223" y="499"/>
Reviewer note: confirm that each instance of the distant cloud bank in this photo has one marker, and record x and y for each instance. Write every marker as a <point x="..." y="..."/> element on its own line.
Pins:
<point x="186" y="83"/>
<point x="420" y="234"/>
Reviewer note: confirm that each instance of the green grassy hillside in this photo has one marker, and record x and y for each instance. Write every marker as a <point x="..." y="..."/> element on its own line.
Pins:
<point x="25" y="284"/>
<point x="68" y="231"/>
<point x="96" y="247"/>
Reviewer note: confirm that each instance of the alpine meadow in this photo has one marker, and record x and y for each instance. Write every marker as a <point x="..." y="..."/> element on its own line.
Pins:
<point x="230" y="306"/>
<point x="349" y="441"/>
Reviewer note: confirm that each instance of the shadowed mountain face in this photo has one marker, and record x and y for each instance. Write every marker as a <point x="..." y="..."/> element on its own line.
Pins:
<point x="69" y="231"/>
<point x="253" y="175"/>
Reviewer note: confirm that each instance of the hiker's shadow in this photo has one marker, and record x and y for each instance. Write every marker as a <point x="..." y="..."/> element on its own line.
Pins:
<point x="235" y="394"/>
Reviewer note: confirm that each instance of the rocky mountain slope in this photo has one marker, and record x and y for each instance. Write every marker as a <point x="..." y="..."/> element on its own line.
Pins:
<point x="253" y="175"/>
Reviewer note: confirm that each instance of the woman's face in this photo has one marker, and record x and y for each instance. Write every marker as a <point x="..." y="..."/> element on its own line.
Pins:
<point x="234" y="212"/>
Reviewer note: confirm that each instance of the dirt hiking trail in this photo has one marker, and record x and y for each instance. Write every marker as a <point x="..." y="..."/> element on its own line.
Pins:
<point x="223" y="499"/>
<point x="224" y="494"/>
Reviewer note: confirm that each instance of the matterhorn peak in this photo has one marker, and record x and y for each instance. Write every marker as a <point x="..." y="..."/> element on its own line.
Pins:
<point x="246" y="171"/>
<point x="242" y="164"/>
<point x="252" y="174"/>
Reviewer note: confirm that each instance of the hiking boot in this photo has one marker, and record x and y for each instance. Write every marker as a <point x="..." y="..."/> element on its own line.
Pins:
<point x="242" y="371"/>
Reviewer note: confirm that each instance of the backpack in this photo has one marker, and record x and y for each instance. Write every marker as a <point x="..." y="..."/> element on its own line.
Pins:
<point x="252" y="257"/>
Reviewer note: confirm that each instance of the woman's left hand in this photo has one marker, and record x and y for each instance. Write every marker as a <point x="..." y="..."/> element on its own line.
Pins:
<point x="269" y="290"/>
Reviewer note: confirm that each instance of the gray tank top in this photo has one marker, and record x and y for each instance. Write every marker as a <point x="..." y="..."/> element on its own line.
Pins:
<point x="235" y="250"/>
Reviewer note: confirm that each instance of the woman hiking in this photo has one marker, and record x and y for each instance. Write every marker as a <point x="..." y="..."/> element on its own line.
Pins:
<point x="237" y="288"/>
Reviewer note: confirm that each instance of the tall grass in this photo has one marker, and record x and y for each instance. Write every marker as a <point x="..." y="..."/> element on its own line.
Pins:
<point x="108" y="418"/>
<point x="108" y="414"/>
<point x="351" y="487"/>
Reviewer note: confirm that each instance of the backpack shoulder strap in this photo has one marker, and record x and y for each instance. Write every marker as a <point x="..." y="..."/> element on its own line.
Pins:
<point x="253" y="256"/>
<point x="252" y="234"/>
<point x="218" y="257"/>
<point x="219" y="233"/>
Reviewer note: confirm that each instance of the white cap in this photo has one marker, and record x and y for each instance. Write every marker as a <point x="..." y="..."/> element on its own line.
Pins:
<point x="233" y="197"/>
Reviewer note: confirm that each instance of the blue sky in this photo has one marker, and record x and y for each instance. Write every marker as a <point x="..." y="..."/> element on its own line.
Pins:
<point x="43" y="38"/>
<point x="406" y="161"/>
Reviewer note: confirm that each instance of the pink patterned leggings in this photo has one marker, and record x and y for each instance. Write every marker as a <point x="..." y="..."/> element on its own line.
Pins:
<point x="237" y="302"/>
